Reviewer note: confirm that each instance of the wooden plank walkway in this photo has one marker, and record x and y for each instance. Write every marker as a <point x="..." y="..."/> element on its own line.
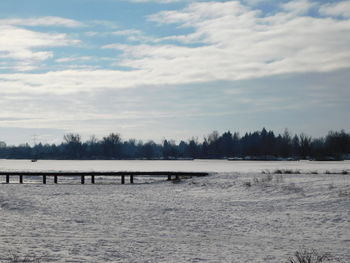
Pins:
<point x="82" y="175"/>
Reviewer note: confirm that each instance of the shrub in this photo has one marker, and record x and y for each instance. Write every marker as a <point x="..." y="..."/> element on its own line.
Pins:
<point x="247" y="184"/>
<point x="16" y="258"/>
<point x="344" y="194"/>
<point x="256" y="180"/>
<point x="341" y="172"/>
<point x="309" y="256"/>
<point x="284" y="171"/>
<point x="268" y="178"/>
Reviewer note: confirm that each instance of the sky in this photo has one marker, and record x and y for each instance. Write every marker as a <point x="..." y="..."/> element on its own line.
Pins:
<point x="175" y="69"/>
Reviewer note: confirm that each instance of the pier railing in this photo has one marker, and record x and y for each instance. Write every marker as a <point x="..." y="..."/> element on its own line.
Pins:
<point x="122" y="174"/>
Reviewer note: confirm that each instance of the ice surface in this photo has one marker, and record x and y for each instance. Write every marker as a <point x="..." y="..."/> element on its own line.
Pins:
<point x="195" y="165"/>
<point x="211" y="219"/>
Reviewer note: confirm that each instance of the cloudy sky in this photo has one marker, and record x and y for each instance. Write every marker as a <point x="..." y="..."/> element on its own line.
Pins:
<point x="150" y="69"/>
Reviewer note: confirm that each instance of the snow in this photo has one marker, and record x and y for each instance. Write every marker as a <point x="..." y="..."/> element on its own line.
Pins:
<point x="222" y="166"/>
<point x="217" y="218"/>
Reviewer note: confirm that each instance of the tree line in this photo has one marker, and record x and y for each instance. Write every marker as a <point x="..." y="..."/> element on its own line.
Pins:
<point x="253" y="145"/>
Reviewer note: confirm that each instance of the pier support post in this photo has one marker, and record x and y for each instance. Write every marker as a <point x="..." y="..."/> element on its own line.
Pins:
<point x="55" y="179"/>
<point x="7" y="179"/>
<point x="131" y="179"/>
<point x="123" y="179"/>
<point x="92" y="179"/>
<point x="169" y="177"/>
<point x="177" y="177"/>
<point x="82" y="179"/>
<point x="44" y="179"/>
<point x="21" y="179"/>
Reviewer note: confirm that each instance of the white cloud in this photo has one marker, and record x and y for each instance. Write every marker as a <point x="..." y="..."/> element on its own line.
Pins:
<point x="254" y="2"/>
<point x="71" y="81"/>
<point x="298" y="6"/>
<point x="336" y="9"/>
<point x="235" y="43"/>
<point x="134" y="35"/>
<point x="201" y="12"/>
<point x="42" y="21"/>
<point x="159" y="1"/>
<point x="22" y="45"/>
<point x="127" y="32"/>
<point x="238" y="43"/>
<point x="104" y="23"/>
<point x="71" y="59"/>
<point x="25" y="46"/>
<point x="228" y="41"/>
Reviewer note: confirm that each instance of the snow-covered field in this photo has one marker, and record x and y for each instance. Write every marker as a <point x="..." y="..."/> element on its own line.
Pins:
<point x="196" y="165"/>
<point x="237" y="214"/>
<point x="221" y="166"/>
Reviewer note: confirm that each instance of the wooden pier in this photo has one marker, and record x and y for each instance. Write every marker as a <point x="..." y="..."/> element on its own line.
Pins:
<point x="55" y="175"/>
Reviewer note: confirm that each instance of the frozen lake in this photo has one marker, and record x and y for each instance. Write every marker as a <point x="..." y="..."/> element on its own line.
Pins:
<point x="221" y="166"/>
<point x="237" y="214"/>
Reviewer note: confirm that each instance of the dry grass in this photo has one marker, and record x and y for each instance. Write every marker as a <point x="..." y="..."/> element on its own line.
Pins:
<point x="344" y="193"/>
<point x="266" y="180"/>
<point x="247" y="184"/>
<point x="291" y="171"/>
<point x="310" y="256"/>
<point x="14" y="257"/>
<point x="282" y="171"/>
